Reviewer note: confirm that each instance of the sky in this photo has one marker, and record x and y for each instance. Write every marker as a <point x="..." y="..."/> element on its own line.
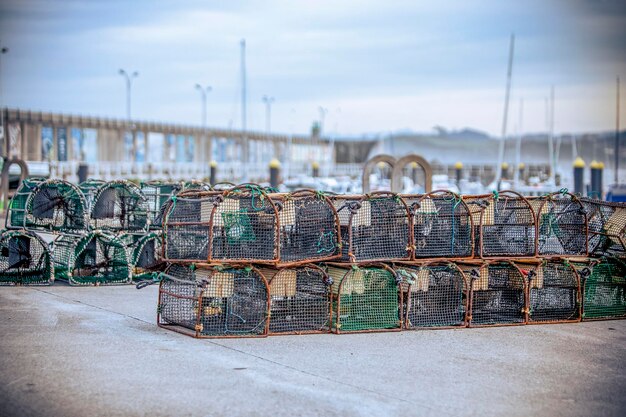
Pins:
<point x="377" y="66"/>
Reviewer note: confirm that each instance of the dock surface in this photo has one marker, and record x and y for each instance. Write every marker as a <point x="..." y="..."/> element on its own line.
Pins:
<point x="73" y="352"/>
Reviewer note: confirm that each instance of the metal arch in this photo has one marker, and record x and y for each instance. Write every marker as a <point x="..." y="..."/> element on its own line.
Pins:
<point x="371" y="163"/>
<point x="396" y="176"/>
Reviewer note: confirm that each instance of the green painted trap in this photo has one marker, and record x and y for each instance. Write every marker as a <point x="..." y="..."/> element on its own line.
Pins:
<point x="24" y="259"/>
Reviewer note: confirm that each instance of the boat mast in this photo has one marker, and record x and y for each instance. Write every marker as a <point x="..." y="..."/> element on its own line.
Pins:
<point x="518" y="148"/>
<point x="245" y="155"/>
<point x="617" y="136"/>
<point x="506" y="112"/>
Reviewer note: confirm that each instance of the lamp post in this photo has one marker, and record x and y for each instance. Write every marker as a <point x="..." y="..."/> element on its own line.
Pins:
<point x="268" y="121"/>
<point x="3" y="50"/>
<point x="129" y="78"/>
<point x="204" y="91"/>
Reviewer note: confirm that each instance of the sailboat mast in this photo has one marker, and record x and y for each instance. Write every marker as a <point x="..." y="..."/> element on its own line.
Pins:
<point x="245" y="155"/>
<point x="506" y="111"/>
<point x="617" y="137"/>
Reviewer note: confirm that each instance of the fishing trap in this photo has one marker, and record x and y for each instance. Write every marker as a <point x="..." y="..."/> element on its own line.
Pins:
<point x="48" y="205"/>
<point x="24" y="259"/>
<point x="300" y="299"/>
<point x="203" y="301"/>
<point x="364" y="298"/>
<point x="374" y="227"/>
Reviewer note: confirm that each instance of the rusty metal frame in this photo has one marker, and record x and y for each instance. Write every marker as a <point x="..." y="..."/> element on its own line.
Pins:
<point x="490" y="197"/>
<point x="367" y="197"/>
<point x="535" y="263"/>
<point x="405" y="293"/>
<point x="197" y="333"/>
<point x="544" y="199"/>
<point x="620" y="238"/>
<point x="349" y="268"/>
<point x="327" y="282"/>
<point x="279" y="198"/>
<point x="412" y="214"/>
<point x="485" y="263"/>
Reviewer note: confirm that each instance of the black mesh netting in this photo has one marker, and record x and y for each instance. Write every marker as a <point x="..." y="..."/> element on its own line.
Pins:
<point x="97" y="258"/>
<point x="374" y="227"/>
<point x="187" y="225"/>
<point x="562" y="224"/>
<point x="299" y="299"/>
<point x="51" y="205"/>
<point x="505" y="225"/>
<point x="214" y="302"/>
<point x="497" y="295"/>
<point x="435" y="295"/>
<point x="309" y="228"/>
<point x="607" y="227"/>
<point x="157" y="194"/>
<point x="442" y="226"/>
<point x="24" y="259"/>
<point x="554" y="292"/>
<point x="245" y="227"/>
<point x="119" y="206"/>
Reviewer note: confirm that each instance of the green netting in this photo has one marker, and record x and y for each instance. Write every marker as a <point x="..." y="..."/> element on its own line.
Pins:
<point x="238" y="227"/>
<point x="95" y="259"/>
<point x="16" y="214"/>
<point x="89" y="189"/>
<point x="605" y="290"/>
<point x="24" y="259"/>
<point x="119" y="206"/>
<point x="157" y="194"/>
<point x="51" y="205"/>
<point x="144" y="254"/>
<point x="364" y="299"/>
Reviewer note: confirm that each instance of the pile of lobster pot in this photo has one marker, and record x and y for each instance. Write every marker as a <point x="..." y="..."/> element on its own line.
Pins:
<point x="248" y="261"/>
<point x="245" y="261"/>
<point x="94" y="233"/>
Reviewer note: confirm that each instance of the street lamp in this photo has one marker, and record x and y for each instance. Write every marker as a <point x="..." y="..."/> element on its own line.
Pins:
<point x="3" y="50"/>
<point x="268" y="122"/>
<point x="268" y="113"/>
<point x="128" y="78"/>
<point x="203" y="94"/>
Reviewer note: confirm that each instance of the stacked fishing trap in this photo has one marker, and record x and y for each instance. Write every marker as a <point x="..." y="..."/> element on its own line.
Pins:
<point x="246" y="261"/>
<point x="96" y="233"/>
<point x="249" y="261"/>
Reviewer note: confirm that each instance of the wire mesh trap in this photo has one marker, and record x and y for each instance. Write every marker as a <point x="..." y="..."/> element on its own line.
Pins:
<point x="374" y="227"/>
<point x="244" y="227"/>
<point x="442" y="226"/>
<point x="506" y="225"/>
<point x="50" y="205"/>
<point x="24" y="259"/>
<point x="300" y="299"/>
<point x="90" y="188"/>
<point x="604" y="283"/>
<point x="554" y="293"/>
<point x="607" y="227"/>
<point x="309" y="227"/>
<point x="434" y="295"/>
<point x="144" y="254"/>
<point x="214" y="301"/>
<point x="118" y="206"/>
<point x="97" y="258"/>
<point x="157" y="195"/>
<point x="497" y="294"/>
<point x="364" y="298"/>
<point x="561" y="224"/>
<point x="187" y="225"/>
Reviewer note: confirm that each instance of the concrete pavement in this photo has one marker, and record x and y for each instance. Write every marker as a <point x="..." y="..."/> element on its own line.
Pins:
<point x="67" y="351"/>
